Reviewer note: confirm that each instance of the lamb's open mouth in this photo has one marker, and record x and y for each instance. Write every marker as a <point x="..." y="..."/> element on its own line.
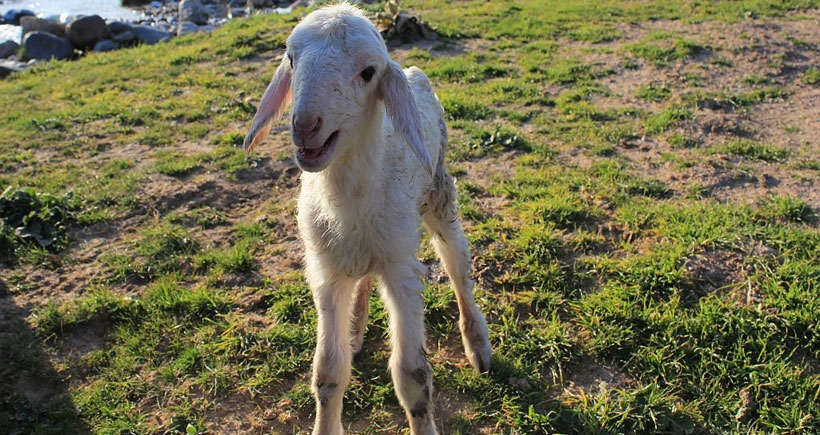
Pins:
<point x="314" y="156"/>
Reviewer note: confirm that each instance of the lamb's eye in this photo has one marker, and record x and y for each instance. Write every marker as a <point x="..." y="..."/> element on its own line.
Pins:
<point x="290" y="58"/>
<point x="367" y="74"/>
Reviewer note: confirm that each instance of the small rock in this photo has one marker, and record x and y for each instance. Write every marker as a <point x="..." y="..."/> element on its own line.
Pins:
<point x="45" y="46"/>
<point x="155" y="5"/>
<point x="12" y="16"/>
<point x="214" y="11"/>
<point x="238" y="3"/>
<point x="260" y="4"/>
<point x="33" y="24"/>
<point x="8" y="48"/>
<point x="187" y="27"/>
<point x="165" y="27"/>
<point x="105" y="45"/>
<point x="192" y="10"/>
<point x="11" y="66"/>
<point x="237" y="13"/>
<point x="149" y="35"/>
<point x="86" y="31"/>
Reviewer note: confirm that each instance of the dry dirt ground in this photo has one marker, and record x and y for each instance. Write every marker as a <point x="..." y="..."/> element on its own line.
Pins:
<point x="781" y="50"/>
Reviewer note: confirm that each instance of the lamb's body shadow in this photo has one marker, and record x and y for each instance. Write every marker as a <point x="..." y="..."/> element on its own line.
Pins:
<point x="33" y="396"/>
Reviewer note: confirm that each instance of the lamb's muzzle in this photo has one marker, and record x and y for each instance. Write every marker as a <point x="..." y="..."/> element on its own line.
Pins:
<point x="371" y="140"/>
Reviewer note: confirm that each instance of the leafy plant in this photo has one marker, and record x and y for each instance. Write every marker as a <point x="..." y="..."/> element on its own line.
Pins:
<point x="31" y="218"/>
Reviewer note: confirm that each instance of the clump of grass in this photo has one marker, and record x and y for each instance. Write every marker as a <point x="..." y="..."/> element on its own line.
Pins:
<point x="205" y="217"/>
<point x="746" y="99"/>
<point x="780" y="208"/>
<point x="667" y="118"/>
<point x="417" y="53"/>
<point x="469" y="69"/>
<point x="654" y="92"/>
<point x="176" y="164"/>
<point x="158" y="249"/>
<point x="652" y="188"/>
<point x="663" y="54"/>
<point x="812" y="77"/>
<point x="753" y="150"/>
<point x="54" y="318"/>
<point x="568" y="71"/>
<point x="466" y="109"/>
<point x="682" y="141"/>
<point x="229" y="139"/>
<point x="485" y="142"/>
<point x="757" y="80"/>
<point x="595" y="33"/>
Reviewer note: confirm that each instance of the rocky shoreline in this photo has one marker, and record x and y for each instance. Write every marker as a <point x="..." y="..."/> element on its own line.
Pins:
<point x="52" y="38"/>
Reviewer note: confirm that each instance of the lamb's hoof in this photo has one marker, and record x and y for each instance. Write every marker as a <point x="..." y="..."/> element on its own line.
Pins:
<point x="476" y="338"/>
<point x="479" y="358"/>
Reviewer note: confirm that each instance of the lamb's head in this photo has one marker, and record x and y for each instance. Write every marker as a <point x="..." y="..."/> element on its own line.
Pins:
<point x="338" y="77"/>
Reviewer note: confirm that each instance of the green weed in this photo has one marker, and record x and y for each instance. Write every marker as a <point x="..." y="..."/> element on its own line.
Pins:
<point x="753" y="151"/>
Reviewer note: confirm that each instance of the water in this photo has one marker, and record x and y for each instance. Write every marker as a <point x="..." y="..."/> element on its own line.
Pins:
<point x="108" y="9"/>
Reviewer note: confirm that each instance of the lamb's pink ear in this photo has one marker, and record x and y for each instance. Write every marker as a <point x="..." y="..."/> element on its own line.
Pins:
<point x="274" y="101"/>
<point x="402" y="110"/>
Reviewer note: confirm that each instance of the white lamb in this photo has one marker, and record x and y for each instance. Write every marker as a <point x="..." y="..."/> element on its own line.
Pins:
<point x="370" y="139"/>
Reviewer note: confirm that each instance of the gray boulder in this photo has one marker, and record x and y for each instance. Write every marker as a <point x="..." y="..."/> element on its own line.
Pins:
<point x="10" y="66"/>
<point x="125" y="38"/>
<point x="106" y="45"/>
<point x="117" y="27"/>
<point x="33" y="24"/>
<point x="86" y="31"/>
<point x="44" y="46"/>
<point x="192" y="10"/>
<point x="149" y="35"/>
<point x="186" y="27"/>
<point x="8" y="48"/>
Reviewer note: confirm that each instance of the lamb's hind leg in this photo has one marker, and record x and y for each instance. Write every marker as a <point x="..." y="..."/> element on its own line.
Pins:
<point x="451" y="246"/>
<point x="331" y="363"/>
<point x="360" y="311"/>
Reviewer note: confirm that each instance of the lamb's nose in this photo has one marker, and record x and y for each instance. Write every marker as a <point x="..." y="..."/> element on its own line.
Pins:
<point x="306" y="126"/>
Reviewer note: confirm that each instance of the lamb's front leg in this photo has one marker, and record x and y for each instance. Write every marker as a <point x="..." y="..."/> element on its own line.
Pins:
<point x="331" y="363"/>
<point x="403" y="293"/>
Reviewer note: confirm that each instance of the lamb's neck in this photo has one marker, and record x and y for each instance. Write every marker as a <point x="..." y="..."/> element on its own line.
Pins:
<point x="359" y="174"/>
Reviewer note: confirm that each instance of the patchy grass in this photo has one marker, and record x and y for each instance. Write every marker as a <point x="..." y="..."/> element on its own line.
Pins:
<point x="752" y="150"/>
<point x="644" y="269"/>
<point x="661" y="50"/>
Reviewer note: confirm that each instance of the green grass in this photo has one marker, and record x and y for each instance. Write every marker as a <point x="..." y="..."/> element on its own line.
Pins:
<point x="812" y="77"/>
<point x="667" y="119"/>
<point x="661" y="50"/>
<point x="627" y="290"/>
<point x="752" y="150"/>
